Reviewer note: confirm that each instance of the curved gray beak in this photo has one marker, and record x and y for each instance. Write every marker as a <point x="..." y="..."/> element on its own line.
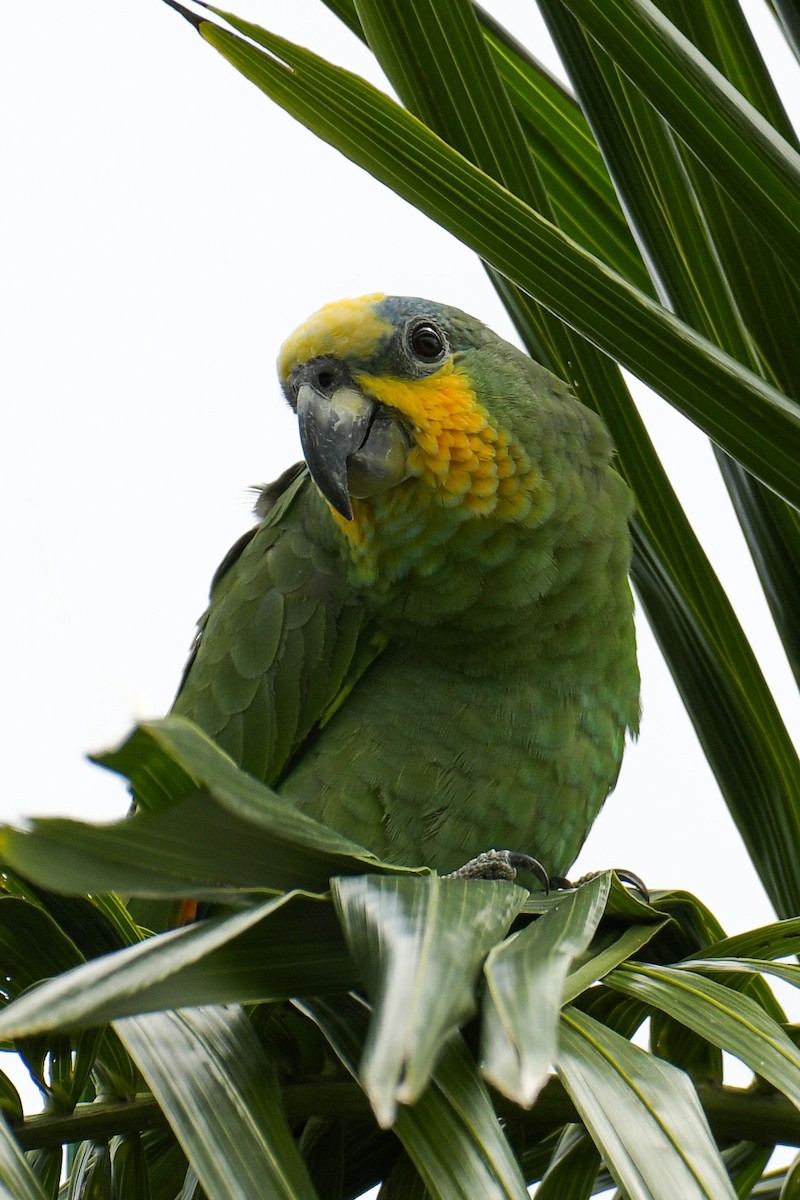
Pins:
<point x="332" y="428"/>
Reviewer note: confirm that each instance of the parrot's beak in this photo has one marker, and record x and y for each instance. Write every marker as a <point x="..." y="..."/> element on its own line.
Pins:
<point x="353" y="446"/>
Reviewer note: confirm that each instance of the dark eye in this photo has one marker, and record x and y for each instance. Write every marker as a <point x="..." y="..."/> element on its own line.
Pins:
<point x="427" y="342"/>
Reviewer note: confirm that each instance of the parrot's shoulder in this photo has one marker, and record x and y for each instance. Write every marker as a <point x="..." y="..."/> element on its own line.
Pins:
<point x="274" y="497"/>
<point x="272" y="502"/>
<point x="280" y="634"/>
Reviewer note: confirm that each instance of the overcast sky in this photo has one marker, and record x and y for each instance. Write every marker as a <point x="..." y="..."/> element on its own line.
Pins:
<point x="164" y="228"/>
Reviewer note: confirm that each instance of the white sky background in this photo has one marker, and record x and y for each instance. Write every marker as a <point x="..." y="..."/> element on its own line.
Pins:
<point x="164" y="227"/>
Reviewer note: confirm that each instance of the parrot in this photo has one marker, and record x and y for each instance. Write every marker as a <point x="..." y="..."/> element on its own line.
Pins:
<point x="426" y="641"/>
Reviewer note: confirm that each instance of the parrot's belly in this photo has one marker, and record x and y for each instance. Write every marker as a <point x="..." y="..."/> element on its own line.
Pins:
<point x="431" y="766"/>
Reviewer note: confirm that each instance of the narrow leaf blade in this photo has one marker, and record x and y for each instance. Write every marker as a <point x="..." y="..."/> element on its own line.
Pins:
<point x="210" y="1075"/>
<point x="644" y="1115"/>
<point x="756" y="166"/>
<point x="17" y="1180"/>
<point x="220" y="834"/>
<point x="726" y="1018"/>
<point x="286" y="946"/>
<point x="420" y="944"/>
<point x="525" y="976"/>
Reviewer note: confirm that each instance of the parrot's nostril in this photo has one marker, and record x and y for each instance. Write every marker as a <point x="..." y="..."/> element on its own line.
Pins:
<point x="325" y="374"/>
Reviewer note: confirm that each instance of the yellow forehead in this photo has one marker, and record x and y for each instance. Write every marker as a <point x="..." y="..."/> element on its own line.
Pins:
<point x="345" y="328"/>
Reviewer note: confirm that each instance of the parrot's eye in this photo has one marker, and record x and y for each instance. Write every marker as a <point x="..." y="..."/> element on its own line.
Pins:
<point x="426" y="341"/>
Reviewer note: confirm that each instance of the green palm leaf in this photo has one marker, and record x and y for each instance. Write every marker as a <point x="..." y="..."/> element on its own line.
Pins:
<point x="17" y="1180"/>
<point x="642" y="1113"/>
<point x="420" y="944"/>
<point x="525" y="977"/>
<point x="721" y="1016"/>
<point x="214" y="1083"/>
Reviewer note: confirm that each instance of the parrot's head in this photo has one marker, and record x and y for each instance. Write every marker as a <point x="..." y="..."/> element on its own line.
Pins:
<point x="416" y="419"/>
<point x="385" y="389"/>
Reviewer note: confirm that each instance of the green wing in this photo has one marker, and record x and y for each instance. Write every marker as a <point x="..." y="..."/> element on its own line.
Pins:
<point x="282" y="636"/>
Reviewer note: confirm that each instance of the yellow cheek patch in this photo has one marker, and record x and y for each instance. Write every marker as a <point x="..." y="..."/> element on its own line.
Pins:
<point x="458" y="451"/>
<point x="347" y="329"/>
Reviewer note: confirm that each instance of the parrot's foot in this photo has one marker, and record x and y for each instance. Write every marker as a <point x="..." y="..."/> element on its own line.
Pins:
<point x="501" y="864"/>
<point x="559" y="883"/>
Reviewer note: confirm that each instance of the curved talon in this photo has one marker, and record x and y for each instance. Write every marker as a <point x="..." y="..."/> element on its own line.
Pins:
<point x="635" y="882"/>
<point x="560" y="883"/>
<point x="526" y="862"/>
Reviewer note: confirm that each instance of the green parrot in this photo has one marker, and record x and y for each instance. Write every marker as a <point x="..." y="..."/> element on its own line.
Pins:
<point x="427" y="641"/>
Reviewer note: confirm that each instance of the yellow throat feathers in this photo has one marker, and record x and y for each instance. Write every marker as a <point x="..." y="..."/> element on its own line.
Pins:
<point x="465" y="474"/>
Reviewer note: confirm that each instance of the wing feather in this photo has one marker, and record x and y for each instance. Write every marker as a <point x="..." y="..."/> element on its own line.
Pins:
<point x="281" y="634"/>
